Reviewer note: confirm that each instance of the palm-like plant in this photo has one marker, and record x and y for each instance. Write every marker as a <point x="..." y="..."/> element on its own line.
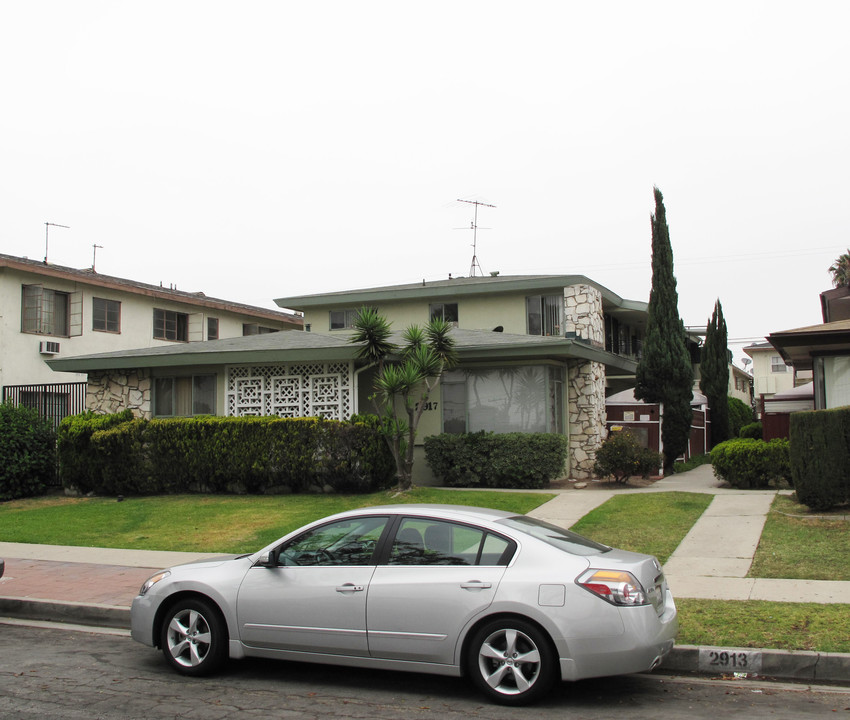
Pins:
<point x="840" y="270"/>
<point x="405" y="378"/>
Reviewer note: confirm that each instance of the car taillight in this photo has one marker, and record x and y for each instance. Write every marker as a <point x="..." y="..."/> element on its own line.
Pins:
<point x="616" y="586"/>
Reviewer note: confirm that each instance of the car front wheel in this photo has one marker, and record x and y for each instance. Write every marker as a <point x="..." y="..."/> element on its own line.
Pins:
<point x="194" y="637"/>
<point x="511" y="661"/>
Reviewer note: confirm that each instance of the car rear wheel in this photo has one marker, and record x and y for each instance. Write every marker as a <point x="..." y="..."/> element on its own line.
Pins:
<point x="194" y="637"/>
<point x="511" y="661"/>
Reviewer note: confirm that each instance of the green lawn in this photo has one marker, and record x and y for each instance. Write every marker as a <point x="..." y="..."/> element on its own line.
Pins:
<point x="653" y="523"/>
<point x="208" y="523"/>
<point x="799" y="544"/>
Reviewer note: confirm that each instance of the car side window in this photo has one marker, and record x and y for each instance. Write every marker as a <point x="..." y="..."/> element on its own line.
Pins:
<point x="345" y="542"/>
<point x="419" y="541"/>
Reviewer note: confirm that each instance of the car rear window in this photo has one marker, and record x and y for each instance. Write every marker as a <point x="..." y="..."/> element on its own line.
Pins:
<point x="560" y="538"/>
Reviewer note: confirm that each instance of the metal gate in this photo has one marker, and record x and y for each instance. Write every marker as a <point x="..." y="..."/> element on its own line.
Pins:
<point x="53" y="401"/>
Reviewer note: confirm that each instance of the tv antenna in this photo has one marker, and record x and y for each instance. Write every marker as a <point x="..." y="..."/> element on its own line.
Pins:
<point x="94" y="255"/>
<point x="46" y="231"/>
<point x="474" y="227"/>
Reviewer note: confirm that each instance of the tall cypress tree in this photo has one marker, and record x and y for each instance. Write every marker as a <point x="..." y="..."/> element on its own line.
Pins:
<point x="714" y="374"/>
<point x="665" y="373"/>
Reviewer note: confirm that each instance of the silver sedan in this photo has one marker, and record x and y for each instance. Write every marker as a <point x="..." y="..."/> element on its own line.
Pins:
<point x="513" y="603"/>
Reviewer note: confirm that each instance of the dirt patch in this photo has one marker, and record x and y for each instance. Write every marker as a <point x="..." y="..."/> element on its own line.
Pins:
<point x="632" y="484"/>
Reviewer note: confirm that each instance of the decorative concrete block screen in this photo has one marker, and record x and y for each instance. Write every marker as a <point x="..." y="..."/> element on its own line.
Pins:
<point x="290" y="390"/>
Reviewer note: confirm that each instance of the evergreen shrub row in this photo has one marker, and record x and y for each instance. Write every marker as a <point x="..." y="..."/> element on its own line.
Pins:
<point x="27" y="452"/>
<point x="496" y="460"/>
<point x="752" y="464"/>
<point x="117" y="455"/>
<point x="820" y="457"/>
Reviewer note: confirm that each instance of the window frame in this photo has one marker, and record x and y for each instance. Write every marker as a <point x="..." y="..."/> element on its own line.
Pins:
<point x="179" y="321"/>
<point x="777" y="367"/>
<point x="545" y="304"/>
<point x="38" y="311"/>
<point x="102" y="314"/>
<point x="212" y="322"/>
<point x="346" y="322"/>
<point x="437" y="310"/>
<point x="178" y="397"/>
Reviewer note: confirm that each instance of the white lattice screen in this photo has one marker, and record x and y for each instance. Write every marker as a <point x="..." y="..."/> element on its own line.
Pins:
<point x="290" y="390"/>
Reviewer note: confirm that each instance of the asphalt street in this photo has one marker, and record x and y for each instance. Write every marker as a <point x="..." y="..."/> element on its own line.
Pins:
<point x="51" y="672"/>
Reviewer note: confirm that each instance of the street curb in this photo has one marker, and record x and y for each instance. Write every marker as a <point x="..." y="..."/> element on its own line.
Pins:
<point x="796" y="665"/>
<point x="816" y="667"/>
<point x="111" y="616"/>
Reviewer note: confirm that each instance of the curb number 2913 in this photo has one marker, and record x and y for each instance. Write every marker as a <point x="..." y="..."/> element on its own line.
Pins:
<point x="718" y="659"/>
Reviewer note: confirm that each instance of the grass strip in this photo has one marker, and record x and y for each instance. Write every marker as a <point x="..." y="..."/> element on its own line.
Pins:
<point x="209" y="523"/>
<point x="652" y="523"/>
<point x="799" y="544"/>
<point x="763" y="624"/>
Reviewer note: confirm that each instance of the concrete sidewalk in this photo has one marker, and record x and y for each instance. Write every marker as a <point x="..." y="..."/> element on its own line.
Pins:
<point x="95" y="586"/>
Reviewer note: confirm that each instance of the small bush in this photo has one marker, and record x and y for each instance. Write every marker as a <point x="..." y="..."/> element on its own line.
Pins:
<point x="740" y="414"/>
<point x="820" y="457"/>
<point x="622" y="456"/>
<point x="751" y="431"/>
<point x="27" y="452"/>
<point x="496" y="460"/>
<point x="752" y="464"/>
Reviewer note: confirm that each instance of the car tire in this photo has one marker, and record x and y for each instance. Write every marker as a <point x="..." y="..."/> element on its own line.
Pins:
<point x="194" y="637"/>
<point x="511" y="661"/>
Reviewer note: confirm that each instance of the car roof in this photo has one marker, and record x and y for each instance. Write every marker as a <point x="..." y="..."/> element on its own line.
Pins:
<point x="441" y="512"/>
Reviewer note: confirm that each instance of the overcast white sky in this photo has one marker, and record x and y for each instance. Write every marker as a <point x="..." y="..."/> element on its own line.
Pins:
<point x="254" y="150"/>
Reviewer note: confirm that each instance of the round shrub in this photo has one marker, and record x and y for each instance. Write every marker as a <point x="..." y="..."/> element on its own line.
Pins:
<point x="751" y="431"/>
<point x="622" y="456"/>
<point x="28" y="452"/>
<point x="752" y="464"/>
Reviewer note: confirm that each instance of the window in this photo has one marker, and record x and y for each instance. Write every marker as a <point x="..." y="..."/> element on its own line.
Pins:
<point x="255" y="329"/>
<point x="106" y="315"/>
<point x="545" y="314"/>
<point x="184" y="396"/>
<point x="444" y="311"/>
<point x="422" y="541"/>
<point x="346" y="542"/>
<point x="45" y="311"/>
<point x="777" y="364"/>
<point x="170" y="325"/>
<point x="512" y="399"/>
<point x="212" y="328"/>
<point x="342" y="319"/>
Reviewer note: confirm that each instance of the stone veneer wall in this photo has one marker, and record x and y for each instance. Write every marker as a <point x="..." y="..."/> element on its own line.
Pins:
<point x="111" y="392"/>
<point x="585" y="379"/>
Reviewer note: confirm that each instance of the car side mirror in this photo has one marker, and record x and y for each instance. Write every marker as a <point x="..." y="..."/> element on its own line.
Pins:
<point x="267" y="559"/>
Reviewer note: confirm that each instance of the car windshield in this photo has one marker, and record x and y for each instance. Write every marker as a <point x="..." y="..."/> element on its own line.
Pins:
<point x="565" y="540"/>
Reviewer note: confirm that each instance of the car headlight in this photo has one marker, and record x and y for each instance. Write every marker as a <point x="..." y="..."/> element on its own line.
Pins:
<point x="153" y="580"/>
<point x="616" y="586"/>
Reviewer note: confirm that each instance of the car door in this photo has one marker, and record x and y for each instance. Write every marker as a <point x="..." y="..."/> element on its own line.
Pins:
<point x="438" y="576"/>
<point x="314" y="598"/>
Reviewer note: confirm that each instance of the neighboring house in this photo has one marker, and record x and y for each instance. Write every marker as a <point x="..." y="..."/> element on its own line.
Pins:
<point x="50" y="311"/>
<point x="740" y="385"/>
<point x="537" y="353"/>
<point x="776" y="419"/>
<point x="823" y="350"/>
<point x="771" y="374"/>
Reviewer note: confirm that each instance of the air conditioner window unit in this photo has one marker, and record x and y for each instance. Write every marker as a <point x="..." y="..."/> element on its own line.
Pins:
<point x="48" y="347"/>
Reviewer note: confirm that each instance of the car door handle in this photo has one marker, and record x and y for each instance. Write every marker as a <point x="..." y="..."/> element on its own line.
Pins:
<point x="476" y="585"/>
<point x="349" y="588"/>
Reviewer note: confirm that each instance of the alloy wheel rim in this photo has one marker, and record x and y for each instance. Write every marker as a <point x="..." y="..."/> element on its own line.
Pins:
<point x="189" y="638"/>
<point x="509" y="661"/>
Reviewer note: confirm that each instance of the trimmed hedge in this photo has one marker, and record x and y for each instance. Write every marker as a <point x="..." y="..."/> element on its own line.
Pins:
<point x="752" y="431"/>
<point x="496" y="460"/>
<point x="226" y="455"/>
<point x="740" y="414"/>
<point x="27" y="452"/>
<point x="752" y="464"/>
<point x="820" y="457"/>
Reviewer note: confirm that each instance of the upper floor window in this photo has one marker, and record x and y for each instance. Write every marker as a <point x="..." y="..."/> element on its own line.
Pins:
<point x="45" y="311"/>
<point x="106" y="315"/>
<point x="212" y="328"/>
<point x="545" y="314"/>
<point x="170" y="325"/>
<point x="777" y="364"/>
<point x="444" y="311"/>
<point x="255" y="329"/>
<point x="342" y="319"/>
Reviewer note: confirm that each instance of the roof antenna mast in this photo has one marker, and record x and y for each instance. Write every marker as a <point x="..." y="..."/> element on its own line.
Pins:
<point x="474" y="227"/>
<point x="46" y="231"/>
